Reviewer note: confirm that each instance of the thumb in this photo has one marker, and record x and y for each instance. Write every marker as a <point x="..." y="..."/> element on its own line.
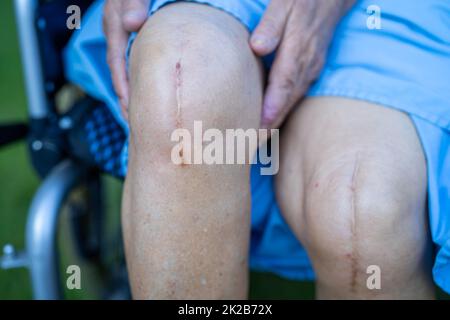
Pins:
<point x="134" y="14"/>
<point x="268" y="33"/>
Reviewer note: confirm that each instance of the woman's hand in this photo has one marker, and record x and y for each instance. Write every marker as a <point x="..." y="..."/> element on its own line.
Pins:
<point x="301" y="31"/>
<point x="120" y="18"/>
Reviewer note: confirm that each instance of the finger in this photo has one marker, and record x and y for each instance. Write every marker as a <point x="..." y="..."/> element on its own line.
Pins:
<point x="117" y="41"/>
<point x="117" y="65"/>
<point x="134" y="14"/>
<point x="267" y="35"/>
<point x="286" y="84"/>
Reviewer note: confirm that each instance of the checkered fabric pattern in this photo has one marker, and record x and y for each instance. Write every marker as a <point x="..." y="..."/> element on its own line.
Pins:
<point x="106" y="140"/>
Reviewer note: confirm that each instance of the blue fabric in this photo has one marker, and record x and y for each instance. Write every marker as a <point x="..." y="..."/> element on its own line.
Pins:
<point x="106" y="140"/>
<point x="404" y="65"/>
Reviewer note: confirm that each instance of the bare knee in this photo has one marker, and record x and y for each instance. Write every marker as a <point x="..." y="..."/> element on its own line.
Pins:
<point x="356" y="217"/>
<point x="187" y="68"/>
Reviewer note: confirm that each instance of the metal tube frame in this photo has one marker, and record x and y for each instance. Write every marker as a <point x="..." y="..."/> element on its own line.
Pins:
<point x="42" y="225"/>
<point x="44" y="212"/>
<point x="41" y="256"/>
<point x="25" y="11"/>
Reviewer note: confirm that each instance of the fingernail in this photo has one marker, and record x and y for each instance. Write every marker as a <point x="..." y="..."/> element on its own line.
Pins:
<point x="259" y="41"/>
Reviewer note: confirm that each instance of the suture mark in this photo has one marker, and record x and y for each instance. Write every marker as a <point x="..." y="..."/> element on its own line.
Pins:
<point x="178" y="83"/>
<point x="178" y="90"/>
<point x="354" y="241"/>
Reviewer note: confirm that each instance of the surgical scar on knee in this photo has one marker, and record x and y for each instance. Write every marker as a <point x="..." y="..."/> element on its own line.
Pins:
<point x="178" y="83"/>
<point x="353" y="256"/>
<point x="178" y="91"/>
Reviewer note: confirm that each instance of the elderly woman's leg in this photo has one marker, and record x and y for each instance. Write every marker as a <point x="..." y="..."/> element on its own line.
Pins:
<point x="186" y="227"/>
<point x="352" y="185"/>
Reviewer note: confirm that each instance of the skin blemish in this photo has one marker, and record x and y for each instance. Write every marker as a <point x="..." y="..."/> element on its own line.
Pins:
<point x="171" y="288"/>
<point x="181" y="154"/>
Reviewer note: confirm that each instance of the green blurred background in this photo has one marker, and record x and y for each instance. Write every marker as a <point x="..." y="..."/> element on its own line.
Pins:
<point x="19" y="182"/>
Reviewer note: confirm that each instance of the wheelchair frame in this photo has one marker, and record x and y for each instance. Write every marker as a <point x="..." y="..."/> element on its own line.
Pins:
<point x="63" y="174"/>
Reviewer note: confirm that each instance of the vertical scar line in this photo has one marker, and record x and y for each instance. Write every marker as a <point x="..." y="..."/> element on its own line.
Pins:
<point x="178" y="90"/>
<point x="354" y="240"/>
<point x="178" y="83"/>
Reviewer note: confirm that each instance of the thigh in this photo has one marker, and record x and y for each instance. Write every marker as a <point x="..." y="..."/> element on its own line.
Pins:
<point x="352" y="185"/>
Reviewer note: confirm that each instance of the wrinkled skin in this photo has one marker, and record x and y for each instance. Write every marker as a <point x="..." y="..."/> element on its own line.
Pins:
<point x="300" y="30"/>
